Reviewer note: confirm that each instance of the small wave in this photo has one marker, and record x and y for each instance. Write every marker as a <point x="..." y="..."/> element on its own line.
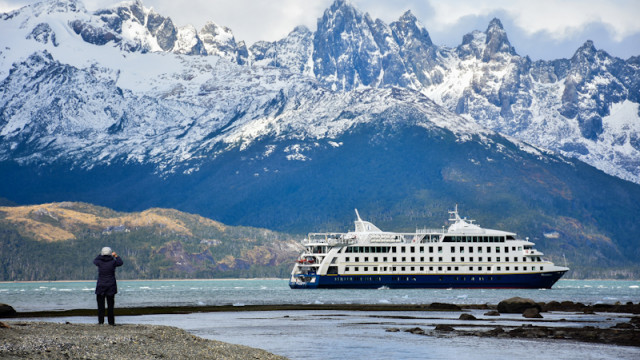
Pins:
<point x="65" y="289"/>
<point x="634" y="287"/>
<point x="238" y="304"/>
<point x="88" y="289"/>
<point x="463" y="296"/>
<point x="145" y="287"/>
<point x="384" y="301"/>
<point x="610" y="298"/>
<point x="200" y="303"/>
<point x="383" y="287"/>
<point x="318" y="302"/>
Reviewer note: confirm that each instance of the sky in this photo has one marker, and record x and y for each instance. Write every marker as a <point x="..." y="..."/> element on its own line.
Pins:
<point x="541" y="29"/>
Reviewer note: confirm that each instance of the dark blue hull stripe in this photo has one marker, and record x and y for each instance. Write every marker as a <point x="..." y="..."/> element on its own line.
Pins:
<point x="482" y="281"/>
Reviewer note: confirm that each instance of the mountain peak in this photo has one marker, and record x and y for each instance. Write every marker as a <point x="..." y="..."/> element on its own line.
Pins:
<point x="408" y="17"/>
<point x="496" y="41"/>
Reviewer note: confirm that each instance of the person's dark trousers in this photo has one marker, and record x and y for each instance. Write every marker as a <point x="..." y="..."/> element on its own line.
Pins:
<point x="110" y="304"/>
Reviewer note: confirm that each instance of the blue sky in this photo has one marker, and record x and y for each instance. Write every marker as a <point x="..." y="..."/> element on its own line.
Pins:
<point x="542" y="29"/>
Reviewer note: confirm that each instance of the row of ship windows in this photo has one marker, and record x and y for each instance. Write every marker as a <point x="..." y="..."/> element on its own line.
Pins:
<point x="439" y="268"/>
<point x="421" y="249"/>
<point x="440" y="259"/>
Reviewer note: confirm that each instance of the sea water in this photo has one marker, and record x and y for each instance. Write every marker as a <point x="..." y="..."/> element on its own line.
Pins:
<point x="332" y="334"/>
<point x="35" y="296"/>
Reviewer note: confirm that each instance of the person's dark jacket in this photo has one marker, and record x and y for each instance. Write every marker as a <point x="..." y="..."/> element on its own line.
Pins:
<point x="107" y="274"/>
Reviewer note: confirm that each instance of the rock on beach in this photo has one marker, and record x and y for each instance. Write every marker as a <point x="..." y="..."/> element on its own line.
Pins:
<point x="33" y="340"/>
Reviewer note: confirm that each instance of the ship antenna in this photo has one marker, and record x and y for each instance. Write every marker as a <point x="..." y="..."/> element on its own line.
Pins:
<point x="358" y="215"/>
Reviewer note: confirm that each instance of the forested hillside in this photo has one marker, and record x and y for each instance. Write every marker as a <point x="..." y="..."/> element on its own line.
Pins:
<point x="59" y="241"/>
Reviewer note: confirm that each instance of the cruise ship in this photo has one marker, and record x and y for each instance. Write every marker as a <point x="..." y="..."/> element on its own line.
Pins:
<point x="462" y="256"/>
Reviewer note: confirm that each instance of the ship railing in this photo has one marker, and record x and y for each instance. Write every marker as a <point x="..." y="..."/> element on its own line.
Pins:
<point x="328" y="238"/>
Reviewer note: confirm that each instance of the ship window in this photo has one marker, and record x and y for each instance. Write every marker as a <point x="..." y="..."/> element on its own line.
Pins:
<point x="473" y="278"/>
<point x="413" y="249"/>
<point x="346" y="269"/>
<point x="439" y="249"/>
<point x="453" y="259"/>
<point x="421" y="268"/>
<point x="430" y="249"/>
<point x="499" y="268"/>
<point x="506" y="259"/>
<point x="448" y="268"/>
<point x="355" y="268"/>
<point x="461" y="249"/>
<point x="366" y="268"/>
<point x="532" y="268"/>
<point x="480" y="258"/>
<point x="375" y="268"/>
<point x="479" y="249"/>
<point x="393" y="249"/>
<point x="384" y="259"/>
<point x="357" y="259"/>
<point x="403" y="249"/>
<point x="394" y="259"/>
<point x="430" y="268"/>
<point x="421" y="258"/>
<point x="470" y="268"/>
<point x="488" y="249"/>
<point x="470" y="249"/>
<point x="404" y="259"/>
<point x="516" y="268"/>
<point x="462" y="259"/>
<point x="453" y="249"/>
<point x="375" y="259"/>
<point x="497" y="249"/>
<point x="430" y="258"/>
<point x="471" y="258"/>
<point x="440" y="259"/>
<point x="479" y="268"/>
<point x="513" y="248"/>
<point x="413" y="268"/>
<point x="402" y="268"/>
<point x="506" y="249"/>
<point x="346" y="259"/>
<point x="393" y="268"/>
<point x="489" y="260"/>
<point x="456" y="268"/>
<point x="440" y="269"/>
<point x="541" y="268"/>
<point x="366" y="259"/>
<point x="507" y="268"/>
<point x="421" y="249"/>
<point x="413" y="259"/>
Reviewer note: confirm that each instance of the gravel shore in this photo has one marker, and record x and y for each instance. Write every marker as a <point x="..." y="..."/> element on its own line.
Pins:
<point x="32" y="340"/>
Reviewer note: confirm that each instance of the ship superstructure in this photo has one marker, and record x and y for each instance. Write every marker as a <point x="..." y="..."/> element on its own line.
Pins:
<point x="462" y="256"/>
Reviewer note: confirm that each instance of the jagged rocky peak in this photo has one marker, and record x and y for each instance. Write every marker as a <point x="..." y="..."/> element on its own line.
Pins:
<point x="292" y="52"/>
<point x="408" y="29"/>
<point x="345" y="52"/>
<point x="219" y="40"/>
<point x="497" y="41"/>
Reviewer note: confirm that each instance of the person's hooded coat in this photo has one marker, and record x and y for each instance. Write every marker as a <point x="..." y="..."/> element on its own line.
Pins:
<point x="107" y="274"/>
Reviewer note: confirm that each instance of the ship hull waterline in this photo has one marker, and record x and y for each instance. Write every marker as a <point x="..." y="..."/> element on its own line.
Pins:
<point x="432" y="281"/>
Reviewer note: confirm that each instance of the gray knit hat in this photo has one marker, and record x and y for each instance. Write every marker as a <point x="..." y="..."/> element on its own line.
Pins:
<point x="106" y="251"/>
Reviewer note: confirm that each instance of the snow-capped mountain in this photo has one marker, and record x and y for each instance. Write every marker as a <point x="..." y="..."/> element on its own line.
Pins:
<point x="584" y="107"/>
<point x="119" y="107"/>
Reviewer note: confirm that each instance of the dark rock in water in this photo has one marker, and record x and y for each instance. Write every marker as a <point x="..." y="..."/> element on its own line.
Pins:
<point x="517" y="305"/>
<point x="415" y="330"/>
<point x="7" y="310"/>
<point x="588" y="311"/>
<point x="444" y="307"/>
<point x="532" y="313"/>
<point x="623" y="326"/>
<point x="392" y="330"/>
<point x="492" y="313"/>
<point x="444" y="327"/>
<point x="467" y="317"/>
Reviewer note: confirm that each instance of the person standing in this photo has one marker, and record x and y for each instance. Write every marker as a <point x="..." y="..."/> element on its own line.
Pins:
<point x="106" y="288"/>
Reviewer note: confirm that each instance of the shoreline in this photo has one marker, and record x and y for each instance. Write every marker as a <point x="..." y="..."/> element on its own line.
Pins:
<point x="29" y="340"/>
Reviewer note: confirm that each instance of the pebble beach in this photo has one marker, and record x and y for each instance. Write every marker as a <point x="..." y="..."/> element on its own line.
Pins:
<point x="37" y="340"/>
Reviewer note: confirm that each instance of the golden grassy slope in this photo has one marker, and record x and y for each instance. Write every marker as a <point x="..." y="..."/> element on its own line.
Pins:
<point x="60" y="221"/>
